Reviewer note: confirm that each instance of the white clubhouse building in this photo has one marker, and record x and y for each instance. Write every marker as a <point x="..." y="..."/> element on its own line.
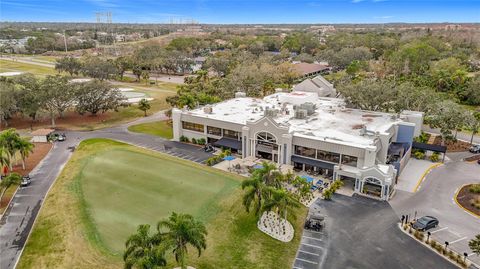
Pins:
<point x="316" y="134"/>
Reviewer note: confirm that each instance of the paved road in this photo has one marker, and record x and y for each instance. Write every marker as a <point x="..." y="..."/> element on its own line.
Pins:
<point x="460" y="135"/>
<point x="19" y="217"/>
<point x="435" y="197"/>
<point x="362" y="233"/>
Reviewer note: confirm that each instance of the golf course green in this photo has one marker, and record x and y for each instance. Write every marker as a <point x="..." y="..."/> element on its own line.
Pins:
<point x="108" y="188"/>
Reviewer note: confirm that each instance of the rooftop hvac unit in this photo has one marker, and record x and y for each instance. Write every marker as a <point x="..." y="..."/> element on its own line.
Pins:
<point x="240" y="94"/>
<point x="300" y="114"/>
<point x="208" y="110"/>
<point x="309" y="107"/>
<point x="270" y="112"/>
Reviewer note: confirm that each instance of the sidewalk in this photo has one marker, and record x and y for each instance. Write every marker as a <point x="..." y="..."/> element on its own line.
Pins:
<point x="413" y="174"/>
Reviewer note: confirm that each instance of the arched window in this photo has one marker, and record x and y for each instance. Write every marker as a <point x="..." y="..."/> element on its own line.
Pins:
<point x="266" y="137"/>
<point x="373" y="180"/>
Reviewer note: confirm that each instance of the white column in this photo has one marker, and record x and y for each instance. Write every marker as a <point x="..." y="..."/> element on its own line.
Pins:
<point x="177" y="123"/>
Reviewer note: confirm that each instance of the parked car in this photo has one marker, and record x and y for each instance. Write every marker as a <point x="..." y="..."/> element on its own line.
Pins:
<point x="475" y="149"/>
<point x="208" y="148"/>
<point x="425" y="223"/>
<point x="478" y="161"/>
<point x="58" y="137"/>
<point x="25" y="181"/>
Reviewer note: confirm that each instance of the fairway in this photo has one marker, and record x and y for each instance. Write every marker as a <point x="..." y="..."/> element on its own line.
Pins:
<point x="123" y="189"/>
<point x="107" y="188"/>
<point x="8" y="66"/>
<point x="158" y="128"/>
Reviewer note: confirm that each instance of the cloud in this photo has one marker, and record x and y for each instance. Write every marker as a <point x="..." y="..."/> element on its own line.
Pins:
<point x="357" y="1"/>
<point x="314" y="4"/>
<point x="104" y="3"/>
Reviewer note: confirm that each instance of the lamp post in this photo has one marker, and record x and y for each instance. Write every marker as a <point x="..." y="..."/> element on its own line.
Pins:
<point x="465" y="255"/>
<point x="403" y="218"/>
<point x="446" y="246"/>
<point x="428" y="236"/>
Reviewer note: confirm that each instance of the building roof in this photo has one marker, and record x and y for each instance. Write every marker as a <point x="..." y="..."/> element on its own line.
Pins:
<point x="306" y="68"/>
<point x="317" y="84"/>
<point x="331" y="120"/>
<point x="42" y="132"/>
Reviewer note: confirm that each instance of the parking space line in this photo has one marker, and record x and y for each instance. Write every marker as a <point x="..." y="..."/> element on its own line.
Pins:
<point x="316" y="254"/>
<point x="458" y="240"/>
<point x="310" y="245"/>
<point x="312" y="238"/>
<point x="444" y="228"/>
<point x="314" y="232"/>
<point x="303" y="260"/>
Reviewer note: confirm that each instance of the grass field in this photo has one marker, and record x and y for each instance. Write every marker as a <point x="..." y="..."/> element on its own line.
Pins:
<point x="108" y="188"/>
<point x="157" y="128"/>
<point x="10" y="66"/>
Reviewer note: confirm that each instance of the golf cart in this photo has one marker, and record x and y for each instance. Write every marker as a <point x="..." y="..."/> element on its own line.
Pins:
<point x="315" y="222"/>
<point x="208" y="148"/>
<point x="25" y="181"/>
<point x="58" y="137"/>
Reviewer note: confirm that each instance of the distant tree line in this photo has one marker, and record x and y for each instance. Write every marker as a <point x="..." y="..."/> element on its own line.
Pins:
<point x="27" y="96"/>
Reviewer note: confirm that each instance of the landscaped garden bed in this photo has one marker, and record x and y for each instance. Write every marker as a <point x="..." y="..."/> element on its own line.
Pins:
<point x="453" y="145"/>
<point x="469" y="198"/>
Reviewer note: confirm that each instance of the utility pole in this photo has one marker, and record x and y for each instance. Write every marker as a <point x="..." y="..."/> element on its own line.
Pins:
<point x="65" y="41"/>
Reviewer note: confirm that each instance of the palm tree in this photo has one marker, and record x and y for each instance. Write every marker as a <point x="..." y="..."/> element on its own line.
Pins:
<point x="8" y="141"/>
<point x="143" y="251"/>
<point x="256" y="191"/>
<point x="25" y="148"/>
<point x="281" y="201"/>
<point x="10" y="180"/>
<point x="269" y="174"/>
<point x="182" y="230"/>
<point x="144" y="105"/>
<point x="4" y="159"/>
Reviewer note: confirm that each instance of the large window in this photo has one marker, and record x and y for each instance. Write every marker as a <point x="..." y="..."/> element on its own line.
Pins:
<point x="349" y="160"/>
<point x="304" y="151"/>
<point x="328" y="156"/>
<point x="192" y="126"/>
<point x="214" y="131"/>
<point x="230" y="134"/>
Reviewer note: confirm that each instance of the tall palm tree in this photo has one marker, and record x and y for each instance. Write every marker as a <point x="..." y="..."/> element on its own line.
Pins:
<point x="4" y="159"/>
<point x="182" y="230"/>
<point x="256" y="192"/>
<point x="8" y="141"/>
<point x="269" y="174"/>
<point x="281" y="201"/>
<point x="25" y="148"/>
<point x="10" y="180"/>
<point x="143" y="251"/>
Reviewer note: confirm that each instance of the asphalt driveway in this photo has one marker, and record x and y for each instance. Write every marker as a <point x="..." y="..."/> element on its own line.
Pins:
<point x="363" y="233"/>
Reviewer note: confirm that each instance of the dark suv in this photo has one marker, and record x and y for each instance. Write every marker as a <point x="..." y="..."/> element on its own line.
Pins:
<point x="425" y="223"/>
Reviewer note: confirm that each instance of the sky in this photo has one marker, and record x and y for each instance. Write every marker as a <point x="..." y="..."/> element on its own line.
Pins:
<point x="246" y="11"/>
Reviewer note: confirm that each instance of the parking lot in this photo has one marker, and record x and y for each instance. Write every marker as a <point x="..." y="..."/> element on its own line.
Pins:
<point x="312" y="250"/>
<point x="457" y="241"/>
<point x="361" y="233"/>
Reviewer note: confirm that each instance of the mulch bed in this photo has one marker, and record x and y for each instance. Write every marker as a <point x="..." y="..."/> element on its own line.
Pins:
<point x="473" y="158"/>
<point x="465" y="197"/>
<point x="453" y="146"/>
<point x="39" y="152"/>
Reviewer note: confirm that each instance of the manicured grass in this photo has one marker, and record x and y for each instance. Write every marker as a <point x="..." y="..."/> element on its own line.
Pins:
<point x="108" y="188"/>
<point x="9" y="66"/>
<point x="158" y="128"/>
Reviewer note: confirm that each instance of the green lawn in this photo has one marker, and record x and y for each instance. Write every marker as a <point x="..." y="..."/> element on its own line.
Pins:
<point x="108" y="188"/>
<point x="9" y="66"/>
<point x="158" y="128"/>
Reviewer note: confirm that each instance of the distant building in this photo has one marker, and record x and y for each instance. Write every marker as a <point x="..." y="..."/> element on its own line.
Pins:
<point x="307" y="69"/>
<point x="318" y="85"/>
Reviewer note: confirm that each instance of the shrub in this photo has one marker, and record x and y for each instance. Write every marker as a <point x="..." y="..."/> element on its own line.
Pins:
<point x="184" y="139"/>
<point x="327" y="194"/>
<point x="201" y="141"/>
<point x="435" y="157"/>
<point x="419" y="155"/>
<point x="194" y="141"/>
<point x="422" y="138"/>
<point x="474" y="188"/>
<point x="419" y="235"/>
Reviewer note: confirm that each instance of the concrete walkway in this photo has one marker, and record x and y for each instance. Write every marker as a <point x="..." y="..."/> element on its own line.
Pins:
<point x="413" y="174"/>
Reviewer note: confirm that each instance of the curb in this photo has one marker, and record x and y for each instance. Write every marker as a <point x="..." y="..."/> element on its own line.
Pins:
<point x="422" y="178"/>
<point x="429" y="247"/>
<point x="461" y="206"/>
